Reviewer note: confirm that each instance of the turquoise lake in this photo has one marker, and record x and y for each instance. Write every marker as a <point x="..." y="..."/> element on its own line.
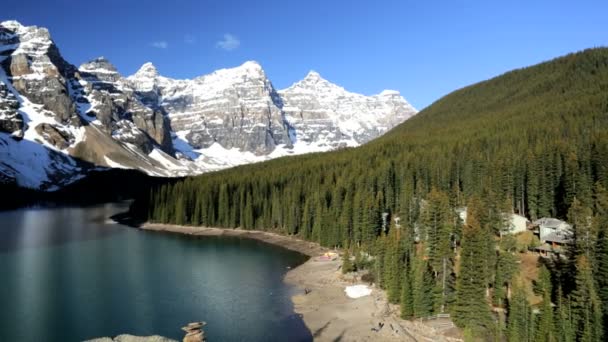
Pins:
<point x="69" y="274"/>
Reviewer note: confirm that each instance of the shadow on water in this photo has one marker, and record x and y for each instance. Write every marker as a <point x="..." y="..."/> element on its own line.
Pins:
<point x="45" y="227"/>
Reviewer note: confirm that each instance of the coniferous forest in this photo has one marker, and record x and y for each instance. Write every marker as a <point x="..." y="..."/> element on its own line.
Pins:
<point x="533" y="141"/>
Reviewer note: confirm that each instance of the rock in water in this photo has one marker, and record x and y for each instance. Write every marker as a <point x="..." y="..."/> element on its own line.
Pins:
<point x="194" y="332"/>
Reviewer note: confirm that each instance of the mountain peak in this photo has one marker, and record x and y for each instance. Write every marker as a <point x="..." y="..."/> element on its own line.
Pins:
<point x="98" y="64"/>
<point x="313" y="75"/>
<point x="249" y="70"/>
<point x="11" y="25"/>
<point x="27" y="33"/>
<point x="315" y="82"/>
<point x="251" y="64"/>
<point x="389" y="92"/>
<point x="147" y="70"/>
<point x="251" y="67"/>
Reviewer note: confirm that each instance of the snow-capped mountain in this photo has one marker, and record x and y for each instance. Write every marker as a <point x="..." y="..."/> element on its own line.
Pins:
<point x="235" y="116"/>
<point x="57" y="121"/>
<point x="328" y="115"/>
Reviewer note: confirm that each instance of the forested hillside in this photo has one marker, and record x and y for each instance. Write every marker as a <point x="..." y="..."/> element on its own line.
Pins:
<point x="532" y="141"/>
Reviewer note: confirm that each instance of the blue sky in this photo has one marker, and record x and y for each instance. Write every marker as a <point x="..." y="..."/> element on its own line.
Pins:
<point x="425" y="49"/>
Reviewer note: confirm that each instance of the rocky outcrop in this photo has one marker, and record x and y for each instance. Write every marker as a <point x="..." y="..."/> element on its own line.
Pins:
<point x="236" y="108"/>
<point x="54" y="135"/>
<point x="37" y="70"/>
<point x="115" y="105"/>
<point x="194" y="332"/>
<point x="10" y="119"/>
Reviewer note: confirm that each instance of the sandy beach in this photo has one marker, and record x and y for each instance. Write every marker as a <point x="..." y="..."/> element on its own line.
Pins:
<point x="327" y="311"/>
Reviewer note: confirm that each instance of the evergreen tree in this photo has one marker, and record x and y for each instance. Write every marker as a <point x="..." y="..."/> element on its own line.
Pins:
<point x="476" y="212"/>
<point x="347" y="265"/>
<point x="519" y="316"/>
<point x="584" y="235"/>
<point x="407" y="300"/>
<point x="393" y="261"/>
<point x="506" y="268"/>
<point x="564" y="325"/>
<point x="422" y="287"/>
<point x="437" y="219"/>
<point x="471" y="308"/>
<point x="586" y="310"/>
<point x="545" y="327"/>
<point x="601" y="270"/>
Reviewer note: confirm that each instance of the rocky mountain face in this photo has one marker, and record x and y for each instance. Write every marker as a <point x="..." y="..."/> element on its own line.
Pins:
<point x="58" y="121"/>
<point x="325" y="113"/>
<point x="236" y="108"/>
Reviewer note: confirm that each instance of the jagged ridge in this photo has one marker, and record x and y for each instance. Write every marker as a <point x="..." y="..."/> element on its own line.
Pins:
<point x="165" y="126"/>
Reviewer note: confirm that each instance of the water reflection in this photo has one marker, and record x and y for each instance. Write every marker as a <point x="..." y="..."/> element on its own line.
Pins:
<point x="47" y="227"/>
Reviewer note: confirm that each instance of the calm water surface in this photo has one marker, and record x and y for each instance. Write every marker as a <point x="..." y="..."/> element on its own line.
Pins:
<point x="67" y="274"/>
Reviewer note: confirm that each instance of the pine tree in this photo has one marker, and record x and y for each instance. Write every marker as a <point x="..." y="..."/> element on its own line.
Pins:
<point x="506" y="268"/>
<point x="545" y="327"/>
<point x="437" y="219"/>
<point x="471" y="308"/>
<point x="393" y="266"/>
<point x="407" y="300"/>
<point x="486" y="244"/>
<point x="519" y="316"/>
<point x="422" y="287"/>
<point x="584" y="235"/>
<point x="347" y="265"/>
<point x="586" y="310"/>
<point x="564" y="325"/>
<point x="601" y="270"/>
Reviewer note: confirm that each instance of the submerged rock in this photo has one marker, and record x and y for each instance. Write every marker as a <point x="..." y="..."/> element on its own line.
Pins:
<point x="132" y="338"/>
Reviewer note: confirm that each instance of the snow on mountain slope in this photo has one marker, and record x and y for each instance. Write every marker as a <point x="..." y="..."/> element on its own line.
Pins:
<point x="237" y="108"/>
<point x="238" y="111"/>
<point x="328" y="112"/>
<point x="25" y="154"/>
<point x="57" y="121"/>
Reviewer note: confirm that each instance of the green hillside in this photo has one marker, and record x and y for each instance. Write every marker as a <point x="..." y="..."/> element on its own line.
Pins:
<point x="533" y="141"/>
<point x="536" y="136"/>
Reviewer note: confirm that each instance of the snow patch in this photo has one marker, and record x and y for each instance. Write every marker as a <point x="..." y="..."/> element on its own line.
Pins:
<point x="114" y="164"/>
<point x="357" y="291"/>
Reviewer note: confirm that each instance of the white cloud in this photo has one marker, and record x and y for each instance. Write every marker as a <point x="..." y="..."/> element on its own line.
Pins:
<point x="160" y="44"/>
<point x="189" y="39"/>
<point x="229" y="42"/>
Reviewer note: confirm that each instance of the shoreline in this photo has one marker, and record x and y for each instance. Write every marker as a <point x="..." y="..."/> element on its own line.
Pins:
<point x="292" y="243"/>
<point x="327" y="312"/>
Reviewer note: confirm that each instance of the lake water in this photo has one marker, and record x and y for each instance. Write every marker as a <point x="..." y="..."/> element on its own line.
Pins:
<point x="68" y="274"/>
